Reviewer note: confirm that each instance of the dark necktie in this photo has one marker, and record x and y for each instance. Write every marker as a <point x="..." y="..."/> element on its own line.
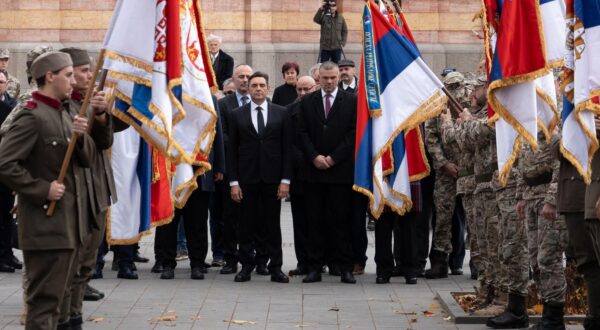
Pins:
<point x="327" y="104"/>
<point x="260" y="120"/>
<point x="244" y="100"/>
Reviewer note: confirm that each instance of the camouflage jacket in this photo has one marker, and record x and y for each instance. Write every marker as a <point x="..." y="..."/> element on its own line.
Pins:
<point x="453" y="132"/>
<point x="441" y="153"/>
<point x="482" y="137"/>
<point x="13" y="86"/>
<point x="534" y="165"/>
<point x="23" y="98"/>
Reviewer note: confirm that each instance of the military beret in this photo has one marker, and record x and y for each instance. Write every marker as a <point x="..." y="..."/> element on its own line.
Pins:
<point x="4" y="53"/>
<point x="78" y="55"/>
<point x="346" y="62"/>
<point x="51" y="61"/>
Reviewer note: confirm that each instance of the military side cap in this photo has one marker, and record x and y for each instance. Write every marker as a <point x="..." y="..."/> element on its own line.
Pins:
<point x="51" y="61"/>
<point x="454" y="78"/>
<point x="4" y="53"/>
<point x="78" y="55"/>
<point x="346" y="62"/>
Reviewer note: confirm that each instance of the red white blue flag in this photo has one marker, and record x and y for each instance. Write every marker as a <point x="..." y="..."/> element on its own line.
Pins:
<point x="397" y="93"/>
<point x="581" y="84"/>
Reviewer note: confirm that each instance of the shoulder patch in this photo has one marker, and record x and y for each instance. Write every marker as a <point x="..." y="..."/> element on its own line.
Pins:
<point x="31" y="104"/>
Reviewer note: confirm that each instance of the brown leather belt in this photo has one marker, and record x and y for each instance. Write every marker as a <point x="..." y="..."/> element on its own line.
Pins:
<point x="538" y="180"/>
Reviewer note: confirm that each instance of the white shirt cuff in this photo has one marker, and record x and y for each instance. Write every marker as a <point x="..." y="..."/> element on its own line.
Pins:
<point x="234" y="183"/>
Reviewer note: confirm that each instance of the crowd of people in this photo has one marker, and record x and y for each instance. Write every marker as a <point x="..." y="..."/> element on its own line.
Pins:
<point x="297" y="146"/>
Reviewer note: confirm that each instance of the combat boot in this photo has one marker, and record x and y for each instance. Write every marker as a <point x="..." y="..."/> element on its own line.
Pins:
<point x="496" y="307"/>
<point x="439" y="265"/>
<point x="553" y="317"/>
<point x="514" y="317"/>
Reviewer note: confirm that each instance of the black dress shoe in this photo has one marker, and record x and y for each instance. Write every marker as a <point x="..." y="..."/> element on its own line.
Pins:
<point x="229" y="268"/>
<point x="127" y="273"/>
<point x="298" y="271"/>
<point x="312" y="277"/>
<point x="198" y="273"/>
<point x="168" y="273"/>
<point x="244" y="275"/>
<point x="262" y="270"/>
<point x="137" y="257"/>
<point x="6" y="268"/>
<point x="279" y="277"/>
<point x="15" y="263"/>
<point x="64" y="326"/>
<point x="382" y="279"/>
<point x="347" y="277"/>
<point x="457" y="271"/>
<point x="157" y="268"/>
<point x="92" y="294"/>
<point x="410" y="279"/>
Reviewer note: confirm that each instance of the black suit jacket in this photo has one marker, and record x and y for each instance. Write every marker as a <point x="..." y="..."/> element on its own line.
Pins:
<point x="216" y="158"/>
<point x="349" y="89"/>
<point x="332" y="136"/>
<point x="223" y="68"/>
<point x="254" y="158"/>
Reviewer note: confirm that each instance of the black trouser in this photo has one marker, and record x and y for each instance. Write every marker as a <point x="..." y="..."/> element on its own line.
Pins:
<point x="124" y="255"/>
<point x="230" y="216"/>
<point x="457" y="257"/>
<point x="405" y="247"/>
<point x="582" y="235"/>
<point x="329" y="215"/>
<point x="260" y="223"/>
<point x="195" y="221"/>
<point x="7" y="225"/>
<point x="360" y="240"/>
<point x="425" y="218"/>
<point x="215" y="207"/>
<point x="298" y="204"/>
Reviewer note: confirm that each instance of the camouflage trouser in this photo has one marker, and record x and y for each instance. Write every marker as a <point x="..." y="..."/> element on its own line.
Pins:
<point x="468" y="201"/>
<point x="444" y="195"/>
<point x="487" y="230"/>
<point x="547" y="241"/>
<point x="513" y="247"/>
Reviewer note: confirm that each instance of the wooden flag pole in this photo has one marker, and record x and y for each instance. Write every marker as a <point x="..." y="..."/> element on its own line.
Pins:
<point x="454" y="105"/>
<point x="100" y="87"/>
<point x="75" y="136"/>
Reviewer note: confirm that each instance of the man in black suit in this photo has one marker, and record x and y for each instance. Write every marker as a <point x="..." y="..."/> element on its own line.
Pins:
<point x="194" y="215"/>
<point x="221" y="61"/>
<point x="327" y="128"/>
<point x="259" y="161"/>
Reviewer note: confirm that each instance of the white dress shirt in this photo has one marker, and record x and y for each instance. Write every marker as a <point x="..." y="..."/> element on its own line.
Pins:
<point x="352" y="84"/>
<point x="254" y="117"/>
<point x="239" y="98"/>
<point x="331" y="100"/>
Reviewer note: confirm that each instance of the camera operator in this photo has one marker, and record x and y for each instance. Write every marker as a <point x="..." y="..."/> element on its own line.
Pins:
<point x="334" y="31"/>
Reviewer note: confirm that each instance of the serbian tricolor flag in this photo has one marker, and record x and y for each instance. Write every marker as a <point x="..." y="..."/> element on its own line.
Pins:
<point x="397" y="92"/>
<point x="581" y="84"/>
<point x="519" y="59"/>
<point x="156" y="58"/>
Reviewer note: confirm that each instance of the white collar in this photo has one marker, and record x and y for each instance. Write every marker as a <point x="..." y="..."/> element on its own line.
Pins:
<point x="263" y="105"/>
<point x="352" y="84"/>
<point x="333" y="94"/>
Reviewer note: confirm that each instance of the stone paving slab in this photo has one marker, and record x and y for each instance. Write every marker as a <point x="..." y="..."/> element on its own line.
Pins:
<point x="211" y="303"/>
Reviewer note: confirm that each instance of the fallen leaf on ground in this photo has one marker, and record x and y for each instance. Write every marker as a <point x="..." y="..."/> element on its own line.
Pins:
<point x="334" y="309"/>
<point x="239" y="322"/>
<point x="434" y="306"/>
<point x="303" y="325"/>
<point x="405" y="313"/>
<point x="168" y="318"/>
<point x="413" y="320"/>
<point x="449" y="318"/>
<point x="171" y="312"/>
<point x="538" y="308"/>
<point x="195" y="318"/>
<point x="95" y="319"/>
<point x="429" y="313"/>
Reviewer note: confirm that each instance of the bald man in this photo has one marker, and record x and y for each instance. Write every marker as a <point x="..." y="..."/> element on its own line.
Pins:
<point x="304" y="86"/>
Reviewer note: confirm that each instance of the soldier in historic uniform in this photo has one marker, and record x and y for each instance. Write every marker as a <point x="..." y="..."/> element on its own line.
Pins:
<point x="100" y="184"/>
<point x="13" y="85"/>
<point x="31" y="154"/>
<point x="445" y="159"/>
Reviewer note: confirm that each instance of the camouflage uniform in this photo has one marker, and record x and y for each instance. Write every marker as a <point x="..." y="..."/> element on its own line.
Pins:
<point x="445" y="185"/>
<point x="546" y="239"/>
<point x="13" y="86"/>
<point x="454" y="132"/>
<point x="478" y="133"/>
